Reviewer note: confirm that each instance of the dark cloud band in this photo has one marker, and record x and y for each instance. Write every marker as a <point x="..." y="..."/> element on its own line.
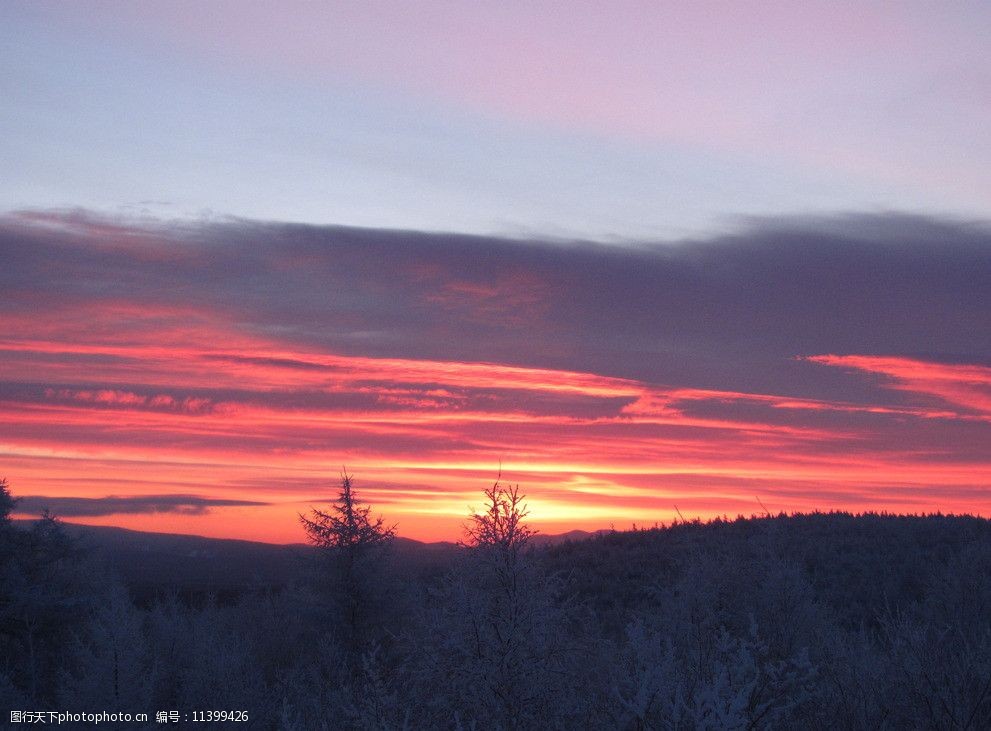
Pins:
<point x="78" y="507"/>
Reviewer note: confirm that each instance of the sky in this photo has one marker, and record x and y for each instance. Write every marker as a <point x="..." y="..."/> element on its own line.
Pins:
<point x="645" y="258"/>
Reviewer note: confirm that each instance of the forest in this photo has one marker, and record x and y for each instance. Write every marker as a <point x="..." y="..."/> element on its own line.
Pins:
<point x="818" y="621"/>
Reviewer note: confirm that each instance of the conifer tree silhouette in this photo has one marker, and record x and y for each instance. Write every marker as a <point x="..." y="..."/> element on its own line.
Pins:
<point x="349" y="539"/>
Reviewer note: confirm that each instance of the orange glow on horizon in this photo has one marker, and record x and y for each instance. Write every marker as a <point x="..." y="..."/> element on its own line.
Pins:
<point x="422" y="437"/>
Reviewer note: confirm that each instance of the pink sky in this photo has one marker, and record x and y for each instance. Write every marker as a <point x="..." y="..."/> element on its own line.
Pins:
<point x="248" y="362"/>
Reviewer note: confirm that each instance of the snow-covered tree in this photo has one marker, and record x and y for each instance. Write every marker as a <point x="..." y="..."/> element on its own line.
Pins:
<point x="351" y="544"/>
<point x="500" y="651"/>
<point x="110" y="665"/>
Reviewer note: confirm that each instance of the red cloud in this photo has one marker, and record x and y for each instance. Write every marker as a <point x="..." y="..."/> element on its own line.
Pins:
<point x="966" y="387"/>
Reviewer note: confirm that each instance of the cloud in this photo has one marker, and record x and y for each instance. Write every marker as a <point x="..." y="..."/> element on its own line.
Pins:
<point x="724" y="313"/>
<point x="966" y="387"/>
<point x="827" y="362"/>
<point x="80" y="507"/>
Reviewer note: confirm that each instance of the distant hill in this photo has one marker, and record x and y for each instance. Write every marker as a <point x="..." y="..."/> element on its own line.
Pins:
<point x="156" y="562"/>
<point x="151" y="563"/>
<point x="574" y="535"/>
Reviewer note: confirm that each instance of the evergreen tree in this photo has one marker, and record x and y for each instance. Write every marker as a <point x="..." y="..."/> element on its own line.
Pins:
<point x="7" y="501"/>
<point x="351" y="542"/>
<point x="348" y="527"/>
<point x="43" y="589"/>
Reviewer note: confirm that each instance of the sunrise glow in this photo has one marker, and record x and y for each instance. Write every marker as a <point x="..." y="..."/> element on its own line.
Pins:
<point x="646" y="259"/>
<point x="192" y="410"/>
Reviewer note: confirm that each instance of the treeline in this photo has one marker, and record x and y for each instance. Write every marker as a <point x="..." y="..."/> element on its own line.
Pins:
<point x="821" y="621"/>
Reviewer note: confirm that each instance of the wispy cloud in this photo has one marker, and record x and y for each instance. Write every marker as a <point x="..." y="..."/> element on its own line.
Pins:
<point x="965" y="387"/>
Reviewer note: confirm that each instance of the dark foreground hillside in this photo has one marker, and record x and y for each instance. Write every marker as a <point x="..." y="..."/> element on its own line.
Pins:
<point x="858" y="568"/>
<point x="822" y="621"/>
